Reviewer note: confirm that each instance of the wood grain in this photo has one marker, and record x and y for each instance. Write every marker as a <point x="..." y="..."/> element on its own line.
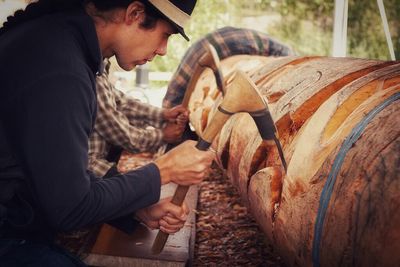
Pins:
<point x="316" y="103"/>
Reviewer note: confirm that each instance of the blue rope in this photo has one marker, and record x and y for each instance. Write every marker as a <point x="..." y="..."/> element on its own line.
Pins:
<point x="337" y="164"/>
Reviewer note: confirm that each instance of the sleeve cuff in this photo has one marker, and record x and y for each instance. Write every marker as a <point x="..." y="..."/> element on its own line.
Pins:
<point x="126" y="224"/>
<point x="152" y="172"/>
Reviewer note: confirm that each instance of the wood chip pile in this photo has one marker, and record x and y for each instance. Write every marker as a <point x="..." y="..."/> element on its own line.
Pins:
<point x="226" y="234"/>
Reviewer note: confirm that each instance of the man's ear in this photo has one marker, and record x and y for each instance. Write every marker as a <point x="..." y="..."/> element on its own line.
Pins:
<point x="134" y="12"/>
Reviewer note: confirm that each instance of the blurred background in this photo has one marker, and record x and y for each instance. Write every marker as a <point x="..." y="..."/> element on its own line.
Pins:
<point x="307" y="26"/>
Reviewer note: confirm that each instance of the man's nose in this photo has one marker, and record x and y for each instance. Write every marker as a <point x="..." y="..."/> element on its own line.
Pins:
<point x="162" y="49"/>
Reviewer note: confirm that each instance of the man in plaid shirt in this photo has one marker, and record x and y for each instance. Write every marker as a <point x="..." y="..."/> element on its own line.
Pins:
<point x="126" y="123"/>
<point x="227" y="41"/>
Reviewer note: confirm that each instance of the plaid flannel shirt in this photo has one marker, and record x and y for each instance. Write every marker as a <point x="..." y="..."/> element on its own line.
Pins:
<point x="121" y="121"/>
<point x="227" y="41"/>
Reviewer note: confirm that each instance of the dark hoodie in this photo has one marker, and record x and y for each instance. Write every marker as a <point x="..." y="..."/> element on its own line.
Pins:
<point x="47" y="111"/>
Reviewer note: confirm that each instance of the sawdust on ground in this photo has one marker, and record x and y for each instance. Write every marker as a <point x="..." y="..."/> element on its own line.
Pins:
<point x="226" y="233"/>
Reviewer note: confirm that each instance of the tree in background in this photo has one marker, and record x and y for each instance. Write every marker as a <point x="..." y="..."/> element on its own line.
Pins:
<point x="305" y="25"/>
<point x="366" y="37"/>
<point x="207" y="16"/>
<point x="308" y="27"/>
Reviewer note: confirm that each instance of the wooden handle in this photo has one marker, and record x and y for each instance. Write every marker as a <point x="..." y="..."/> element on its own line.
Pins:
<point x="159" y="242"/>
<point x="192" y="84"/>
<point x="241" y="96"/>
<point x="210" y="60"/>
<point x="210" y="132"/>
<point x="162" y="237"/>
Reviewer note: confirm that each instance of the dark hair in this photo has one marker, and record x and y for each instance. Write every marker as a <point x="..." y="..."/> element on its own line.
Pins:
<point x="43" y="7"/>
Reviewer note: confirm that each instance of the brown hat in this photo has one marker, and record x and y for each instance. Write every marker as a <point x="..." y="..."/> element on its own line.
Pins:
<point x="176" y="11"/>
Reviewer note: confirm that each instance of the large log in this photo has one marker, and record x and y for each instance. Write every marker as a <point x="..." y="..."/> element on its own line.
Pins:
<point x="338" y="120"/>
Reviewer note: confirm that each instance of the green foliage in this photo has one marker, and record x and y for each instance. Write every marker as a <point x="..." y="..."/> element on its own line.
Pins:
<point x="305" y="25"/>
<point x="366" y="37"/>
<point x="308" y="25"/>
<point x="207" y="16"/>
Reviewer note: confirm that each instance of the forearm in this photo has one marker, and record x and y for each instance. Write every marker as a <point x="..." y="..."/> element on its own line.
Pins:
<point x="54" y="158"/>
<point x="125" y="129"/>
<point x="111" y="198"/>
<point x="99" y="165"/>
<point x="136" y="110"/>
<point x="131" y="138"/>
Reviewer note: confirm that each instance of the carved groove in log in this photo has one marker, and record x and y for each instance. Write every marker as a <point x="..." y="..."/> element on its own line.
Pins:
<point x="316" y="102"/>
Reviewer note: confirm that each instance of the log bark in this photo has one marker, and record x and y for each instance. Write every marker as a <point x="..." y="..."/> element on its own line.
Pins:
<point x="338" y="120"/>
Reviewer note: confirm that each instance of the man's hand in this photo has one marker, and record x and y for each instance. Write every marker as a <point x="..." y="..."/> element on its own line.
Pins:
<point x="177" y="114"/>
<point x="164" y="215"/>
<point x="172" y="132"/>
<point x="185" y="164"/>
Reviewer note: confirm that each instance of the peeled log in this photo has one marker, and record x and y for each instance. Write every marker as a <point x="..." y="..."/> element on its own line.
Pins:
<point x="339" y="124"/>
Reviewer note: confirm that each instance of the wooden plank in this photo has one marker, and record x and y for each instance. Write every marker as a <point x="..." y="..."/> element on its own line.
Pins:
<point x="114" y="248"/>
<point x="104" y="260"/>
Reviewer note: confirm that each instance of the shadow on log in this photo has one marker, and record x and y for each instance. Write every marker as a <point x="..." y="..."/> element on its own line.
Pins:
<point x="339" y="123"/>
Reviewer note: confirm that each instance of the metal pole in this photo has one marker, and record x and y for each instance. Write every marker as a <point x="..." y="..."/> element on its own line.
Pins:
<point x="340" y="28"/>
<point x="386" y="28"/>
<point x="142" y="76"/>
